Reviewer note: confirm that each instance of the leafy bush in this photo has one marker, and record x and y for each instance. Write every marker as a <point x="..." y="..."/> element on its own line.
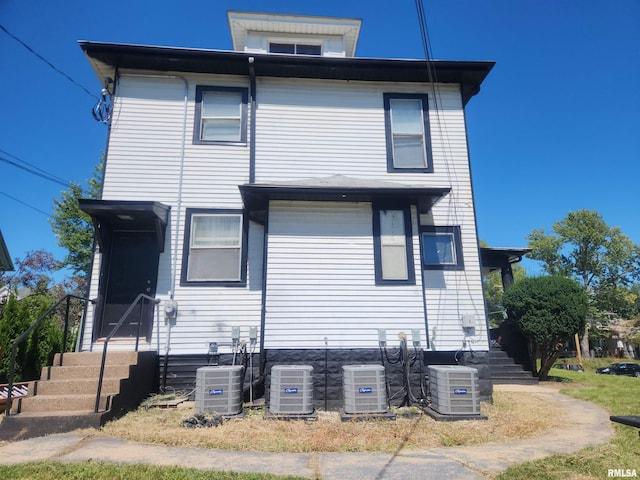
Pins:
<point x="549" y="311"/>
<point x="38" y="349"/>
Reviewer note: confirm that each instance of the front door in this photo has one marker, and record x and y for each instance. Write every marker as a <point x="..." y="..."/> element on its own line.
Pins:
<point x="131" y="269"/>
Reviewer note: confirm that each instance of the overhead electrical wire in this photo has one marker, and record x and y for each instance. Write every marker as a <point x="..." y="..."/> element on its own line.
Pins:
<point x="34" y="170"/>
<point x="51" y="65"/>
<point x="461" y="280"/>
<point x="25" y="204"/>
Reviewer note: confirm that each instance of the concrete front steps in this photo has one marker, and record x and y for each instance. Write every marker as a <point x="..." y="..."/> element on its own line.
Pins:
<point x="64" y="397"/>
<point x="504" y="369"/>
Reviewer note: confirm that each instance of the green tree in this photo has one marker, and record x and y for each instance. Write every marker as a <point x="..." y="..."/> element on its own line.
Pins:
<point x="73" y="227"/>
<point x="34" y="272"/>
<point x="494" y="291"/>
<point x="549" y="311"/>
<point x="600" y="257"/>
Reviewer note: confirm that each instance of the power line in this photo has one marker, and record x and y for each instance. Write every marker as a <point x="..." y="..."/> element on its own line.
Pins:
<point x="49" y="176"/>
<point x="26" y="204"/>
<point x="56" y="69"/>
<point x="46" y="176"/>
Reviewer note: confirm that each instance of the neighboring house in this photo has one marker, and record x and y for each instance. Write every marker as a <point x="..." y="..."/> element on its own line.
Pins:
<point x="289" y="187"/>
<point x="5" y="259"/>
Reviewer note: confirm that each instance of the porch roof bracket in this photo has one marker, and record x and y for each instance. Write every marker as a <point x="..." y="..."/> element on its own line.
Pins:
<point x="110" y="215"/>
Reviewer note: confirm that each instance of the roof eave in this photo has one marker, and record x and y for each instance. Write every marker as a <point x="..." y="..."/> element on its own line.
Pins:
<point x="106" y="58"/>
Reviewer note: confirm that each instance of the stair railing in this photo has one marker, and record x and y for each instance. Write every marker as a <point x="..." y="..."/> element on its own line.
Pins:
<point x="27" y="332"/>
<point x="139" y="300"/>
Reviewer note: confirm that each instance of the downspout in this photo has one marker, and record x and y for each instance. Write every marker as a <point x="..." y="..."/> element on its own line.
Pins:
<point x="252" y="126"/>
<point x="174" y="255"/>
<point x="252" y="179"/>
<point x="178" y="215"/>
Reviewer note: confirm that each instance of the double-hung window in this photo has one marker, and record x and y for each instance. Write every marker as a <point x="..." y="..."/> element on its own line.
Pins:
<point x="214" y="248"/>
<point x="393" y="250"/>
<point x="407" y="133"/>
<point x="220" y="115"/>
<point x="441" y="248"/>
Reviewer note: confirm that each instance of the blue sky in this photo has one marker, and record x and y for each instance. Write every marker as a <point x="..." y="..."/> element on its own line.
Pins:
<point x="555" y="127"/>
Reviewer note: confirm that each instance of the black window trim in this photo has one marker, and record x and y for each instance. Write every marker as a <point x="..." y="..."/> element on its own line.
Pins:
<point x="377" y="244"/>
<point x="242" y="282"/>
<point x="244" y="95"/>
<point x="454" y="230"/>
<point x="391" y="168"/>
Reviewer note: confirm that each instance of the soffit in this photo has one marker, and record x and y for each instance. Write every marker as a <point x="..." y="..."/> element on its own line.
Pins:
<point x="107" y="58"/>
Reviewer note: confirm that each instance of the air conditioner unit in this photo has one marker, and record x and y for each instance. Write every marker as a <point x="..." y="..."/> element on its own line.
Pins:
<point x="219" y="389"/>
<point x="364" y="389"/>
<point x="291" y="390"/>
<point x="454" y="390"/>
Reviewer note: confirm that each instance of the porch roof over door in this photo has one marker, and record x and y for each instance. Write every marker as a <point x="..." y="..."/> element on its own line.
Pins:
<point x="126" y="215"/>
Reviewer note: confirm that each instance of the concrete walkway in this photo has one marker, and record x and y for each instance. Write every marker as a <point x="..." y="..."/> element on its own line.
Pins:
<point x="583" y="424"/>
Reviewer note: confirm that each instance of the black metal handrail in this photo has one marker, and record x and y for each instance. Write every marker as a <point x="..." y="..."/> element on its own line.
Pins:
<point x="27" y="332"/>
<point x="115" y="328"/>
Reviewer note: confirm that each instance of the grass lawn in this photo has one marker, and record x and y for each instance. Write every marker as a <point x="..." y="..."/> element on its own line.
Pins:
<point x="619" y="396"/>
<point x="512" y="416"/>
<point x="96" y="470"/>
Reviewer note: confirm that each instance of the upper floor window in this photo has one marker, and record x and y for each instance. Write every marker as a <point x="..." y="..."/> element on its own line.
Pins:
<point x="393" y="246"/>
<point x="221" y="115"/>
<point x="441" y="248"/>
<point x="214" y="248"/>
<point x="407" y="132"/>
<point x="295" y="48"/>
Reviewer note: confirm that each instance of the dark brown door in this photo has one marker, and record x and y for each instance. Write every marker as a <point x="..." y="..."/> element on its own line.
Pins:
<point x="132" y="268"/>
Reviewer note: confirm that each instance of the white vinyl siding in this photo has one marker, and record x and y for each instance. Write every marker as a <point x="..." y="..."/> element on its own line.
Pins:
<point x="321" y="279"/>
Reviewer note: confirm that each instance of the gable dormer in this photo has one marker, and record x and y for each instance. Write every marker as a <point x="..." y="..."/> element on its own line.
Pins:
<point x="293" y="34"/>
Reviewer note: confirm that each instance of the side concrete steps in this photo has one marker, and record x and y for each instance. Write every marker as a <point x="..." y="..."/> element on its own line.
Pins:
<point x="64" y="397"/>
<point x="504" y="369"/>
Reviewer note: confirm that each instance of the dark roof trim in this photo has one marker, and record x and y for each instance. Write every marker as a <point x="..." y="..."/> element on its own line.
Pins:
<point x="107" y="57"/>
<point x="5" y="259"/>
<point x="494" y="258"/>
<point x="257" y="196"/>
<point x="111" y="215"/>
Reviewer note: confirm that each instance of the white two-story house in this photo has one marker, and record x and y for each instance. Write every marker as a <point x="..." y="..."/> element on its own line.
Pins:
<point x="291" y="192"/>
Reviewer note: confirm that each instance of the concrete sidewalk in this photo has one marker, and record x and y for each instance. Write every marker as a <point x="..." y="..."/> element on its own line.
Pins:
<point x="583" y="424"/>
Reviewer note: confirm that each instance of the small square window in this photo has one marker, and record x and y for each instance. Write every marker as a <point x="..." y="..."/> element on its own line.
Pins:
<point x="220" y="115"/>
<point x="407" y="133"/>
<point x="441" y="248"/>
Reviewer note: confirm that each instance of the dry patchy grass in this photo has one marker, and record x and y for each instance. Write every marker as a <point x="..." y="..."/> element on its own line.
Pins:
<point x="512" y="416"/>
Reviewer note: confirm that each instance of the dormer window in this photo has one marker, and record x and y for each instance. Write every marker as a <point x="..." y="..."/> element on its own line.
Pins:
<point x="293" y="34"/>
<point x="295" y="48"/>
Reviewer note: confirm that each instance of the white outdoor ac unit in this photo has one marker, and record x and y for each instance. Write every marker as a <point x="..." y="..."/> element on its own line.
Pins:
<point x="219" y="389"/>
<point x="364" y="389"/>
<point x="291" y="390"/>
<point x="454" y="390"/>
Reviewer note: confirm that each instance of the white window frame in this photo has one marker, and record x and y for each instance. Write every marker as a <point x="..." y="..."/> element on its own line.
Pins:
<point x="455" y="246"/>
<point x="424" y="137"/>
<point x="191" y="249"/>
<point x="201" y="119"/>
<point x="385" y="240"/>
